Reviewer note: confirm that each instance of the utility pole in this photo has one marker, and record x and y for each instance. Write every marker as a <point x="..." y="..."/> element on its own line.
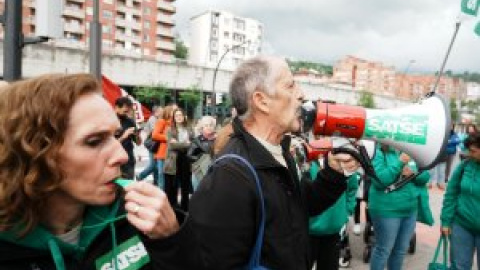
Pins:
<point x="12" y="50"/>
<point x="96" y="42"/>
<point x="14" y="41"/>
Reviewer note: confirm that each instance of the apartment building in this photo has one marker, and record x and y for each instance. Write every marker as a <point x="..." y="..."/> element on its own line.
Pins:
<point x="222" y="36"/>
<point x="141" y="28"/>
<point x="377" y="78"/>
<point x="415" y="86"/>
<point x="365" y="75"/>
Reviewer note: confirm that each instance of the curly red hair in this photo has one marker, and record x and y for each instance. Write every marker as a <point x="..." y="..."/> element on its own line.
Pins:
<point x="34" y="116"/>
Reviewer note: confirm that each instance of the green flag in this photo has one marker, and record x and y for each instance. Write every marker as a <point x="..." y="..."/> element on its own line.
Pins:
<point x="470" y="7"/>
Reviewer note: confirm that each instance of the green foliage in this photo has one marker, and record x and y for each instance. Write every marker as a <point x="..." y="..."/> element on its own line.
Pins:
<point x="181" y="51"/>
<point x="191" y="96"/>
<point x="454" y="110"/>
<point x="153" y="94"/>
<point x="321" y="68"/>
<point x="466" y="76"/>
<point x="366" y="100"/>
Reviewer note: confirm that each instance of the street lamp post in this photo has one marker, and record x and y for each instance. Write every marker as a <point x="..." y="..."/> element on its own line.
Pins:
<point x="213" y="99"/>
<point x="408" y="66"/>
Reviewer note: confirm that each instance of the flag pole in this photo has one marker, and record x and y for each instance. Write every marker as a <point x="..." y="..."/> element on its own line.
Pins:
<point x="457" y="26"/>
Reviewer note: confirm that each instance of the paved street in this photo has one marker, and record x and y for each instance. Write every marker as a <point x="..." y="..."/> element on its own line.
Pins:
<point x="427" y="237"/>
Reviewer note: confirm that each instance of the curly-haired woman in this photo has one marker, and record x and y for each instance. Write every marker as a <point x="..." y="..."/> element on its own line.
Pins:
<point x="59" y="206"/>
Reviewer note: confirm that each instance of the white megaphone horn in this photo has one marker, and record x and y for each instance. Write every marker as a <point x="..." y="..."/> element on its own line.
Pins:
<point x="420" y="130"/>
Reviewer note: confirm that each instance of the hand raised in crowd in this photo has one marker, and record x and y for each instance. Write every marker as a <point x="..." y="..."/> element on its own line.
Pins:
<point x="407" y="171"/>
<point x="129" y="131"/>
<point x="149" y="211"/>
<point x="343" y="163"/>
<point x="404" y="158"/>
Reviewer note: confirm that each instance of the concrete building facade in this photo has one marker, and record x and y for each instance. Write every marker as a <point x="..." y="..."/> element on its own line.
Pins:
<point x="130" y="27"/>
<point x="215" y="33"/>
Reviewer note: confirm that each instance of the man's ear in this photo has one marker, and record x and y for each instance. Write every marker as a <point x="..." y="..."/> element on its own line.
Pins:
<point x="261" y="101"/>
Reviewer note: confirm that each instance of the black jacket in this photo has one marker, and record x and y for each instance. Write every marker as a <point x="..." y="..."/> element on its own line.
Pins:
<point x="200" y="145"/>
<point x="171" y="253"/>
<point x="225" y="208"/>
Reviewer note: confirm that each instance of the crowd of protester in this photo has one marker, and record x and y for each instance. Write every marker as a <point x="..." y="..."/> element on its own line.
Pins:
<point x="59" y="207"/>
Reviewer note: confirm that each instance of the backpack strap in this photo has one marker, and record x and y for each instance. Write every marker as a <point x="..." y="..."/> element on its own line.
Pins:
<point x="254" y="260"/>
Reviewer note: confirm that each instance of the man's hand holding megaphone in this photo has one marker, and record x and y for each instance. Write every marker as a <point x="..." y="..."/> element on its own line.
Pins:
<point x="343" y="163"/>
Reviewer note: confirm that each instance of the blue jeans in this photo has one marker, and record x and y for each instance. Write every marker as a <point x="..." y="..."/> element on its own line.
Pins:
<point x="161" y="176"/>
<point x="392" y="237"/>
<point x="150" y="169"/>
<point x="437" y="173"/>
<point x="463" y="245"/>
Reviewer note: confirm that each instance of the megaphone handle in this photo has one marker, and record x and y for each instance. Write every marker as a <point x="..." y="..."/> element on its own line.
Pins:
<point x="360" y="154"/>
<point x="402" y="182"/>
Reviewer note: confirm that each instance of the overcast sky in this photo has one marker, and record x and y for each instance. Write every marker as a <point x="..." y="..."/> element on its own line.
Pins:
<point x="390" y="31"/>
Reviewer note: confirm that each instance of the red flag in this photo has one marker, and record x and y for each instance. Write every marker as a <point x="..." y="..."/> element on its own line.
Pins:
<point x="111" y="92"/>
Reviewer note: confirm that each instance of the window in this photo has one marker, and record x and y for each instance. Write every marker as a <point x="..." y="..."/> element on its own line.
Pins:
<point x="213" y="57"/>
<point x="146" y="38"/>
<point x="226" y="34"/>
<point x="215" y="18"/>
<point x="239" y="50"/>
<point x="214" y="32"/>
<point x="146" y="24"/>
<point x="147" y="11"/>
<point x="106" y="29"/>
<point x="108" y="1"/>
<point x="213" y="44"/>
<point x="239" y="24"/>
<point x="107" y="43"/>
<point x="107" y="14"/>
<point x="238" y="37"/>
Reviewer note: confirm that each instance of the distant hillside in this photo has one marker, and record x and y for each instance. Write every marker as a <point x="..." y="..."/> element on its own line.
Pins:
<point x="321" y="68"/>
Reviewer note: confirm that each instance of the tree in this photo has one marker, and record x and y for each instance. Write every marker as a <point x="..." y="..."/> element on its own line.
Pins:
<point x="453" y="110"/>
<point x="191" y="96"/>
<point x="320" y="68"/>
<point x="181" y="51"/>
<point x="152" y="94"/>
<point x="366" y="100"/>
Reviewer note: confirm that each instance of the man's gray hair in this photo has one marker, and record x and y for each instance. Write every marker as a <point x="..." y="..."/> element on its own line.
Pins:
<point x="255" y="74"/>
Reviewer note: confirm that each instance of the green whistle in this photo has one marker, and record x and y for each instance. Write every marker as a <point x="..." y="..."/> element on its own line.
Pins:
<point x="122" y="182"/>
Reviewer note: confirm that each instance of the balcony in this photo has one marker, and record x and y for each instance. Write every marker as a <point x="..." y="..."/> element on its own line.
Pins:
<point x="129" y="10"/>
<point x="120" y="36"/>
<point x="165" y="19"/>
<point x="77" y="1"/>
<point x="120" y="22"/>
<point x="73" y="28"/>
<point x="164" y="32"/>
<point x="75" y="13"/>
<point x="30" y="3"/>
<point x="166" y="6"/>
<point x="165" y="45"/>
<point x="135" y="39"/>
<point x="30" y="19"/>
<point x="135" y="25"/>
<point x="123" y="37"/>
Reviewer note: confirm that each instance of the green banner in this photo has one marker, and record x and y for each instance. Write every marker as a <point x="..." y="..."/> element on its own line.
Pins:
<point x="470" y="7"/>
<point x="131" y="255"/>
<point x="402" y="128"/>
